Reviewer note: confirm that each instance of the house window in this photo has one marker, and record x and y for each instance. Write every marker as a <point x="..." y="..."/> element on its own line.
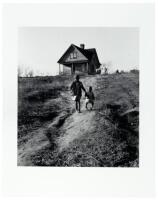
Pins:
<point x="73" y="55"/>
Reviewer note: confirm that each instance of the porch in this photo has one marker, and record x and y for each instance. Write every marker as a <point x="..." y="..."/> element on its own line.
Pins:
<point x="75" y="67"/>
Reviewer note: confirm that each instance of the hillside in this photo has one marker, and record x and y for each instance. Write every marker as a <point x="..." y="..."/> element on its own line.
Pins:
<point x="51" y="133"/>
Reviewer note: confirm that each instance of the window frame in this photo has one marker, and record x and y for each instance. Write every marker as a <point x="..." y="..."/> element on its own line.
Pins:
<point x="73" y="55"/>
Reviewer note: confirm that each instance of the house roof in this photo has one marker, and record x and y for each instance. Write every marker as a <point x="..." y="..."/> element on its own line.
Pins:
<point x="88" y="53"/>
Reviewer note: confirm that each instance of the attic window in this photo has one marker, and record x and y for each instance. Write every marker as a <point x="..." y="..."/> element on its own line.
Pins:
<point x="73" y="55"/>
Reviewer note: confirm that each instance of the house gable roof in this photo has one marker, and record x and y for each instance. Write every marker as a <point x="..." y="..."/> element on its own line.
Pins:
<point x="88" y="53"/>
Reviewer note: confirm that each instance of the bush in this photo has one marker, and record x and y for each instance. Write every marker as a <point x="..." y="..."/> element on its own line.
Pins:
<point x="134" y="71"/>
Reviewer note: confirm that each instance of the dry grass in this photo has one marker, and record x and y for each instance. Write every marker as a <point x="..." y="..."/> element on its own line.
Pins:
<point x="108" y="144"/>
<point x="38" y="101"/>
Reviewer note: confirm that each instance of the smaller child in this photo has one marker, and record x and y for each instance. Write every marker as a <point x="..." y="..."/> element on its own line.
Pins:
<point x="89" y="97"/>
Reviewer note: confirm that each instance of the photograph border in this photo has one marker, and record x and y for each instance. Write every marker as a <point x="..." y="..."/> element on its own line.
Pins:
<point x="114" y="182"/>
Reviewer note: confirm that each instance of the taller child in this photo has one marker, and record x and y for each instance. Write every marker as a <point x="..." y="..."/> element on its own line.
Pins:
<point x="77" y="87"/>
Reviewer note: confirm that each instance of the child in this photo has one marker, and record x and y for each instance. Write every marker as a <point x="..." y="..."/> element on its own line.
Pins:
<point x="90" y="98"/>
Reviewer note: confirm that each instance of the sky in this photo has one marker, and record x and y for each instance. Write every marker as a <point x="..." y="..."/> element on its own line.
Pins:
<point x="39" y="48"/>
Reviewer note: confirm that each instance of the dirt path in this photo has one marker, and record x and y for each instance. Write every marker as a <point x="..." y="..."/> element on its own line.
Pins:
<point x="75" y="126"/>
<point x="78" y="123"/>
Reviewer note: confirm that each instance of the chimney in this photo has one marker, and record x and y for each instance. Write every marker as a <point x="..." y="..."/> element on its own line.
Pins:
<point x="82" y="46"/>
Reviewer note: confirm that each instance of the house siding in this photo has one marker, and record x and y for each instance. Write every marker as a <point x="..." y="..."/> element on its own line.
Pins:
<point x="93" y="65"/>
<point x="81" y="68"/>
<point x="66" y="70"/>
<point x="80" y="56"/>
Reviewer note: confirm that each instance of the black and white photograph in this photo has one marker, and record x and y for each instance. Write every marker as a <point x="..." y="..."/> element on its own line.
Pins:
<point x="78" y="99"/>
<point x="78" y="96"/>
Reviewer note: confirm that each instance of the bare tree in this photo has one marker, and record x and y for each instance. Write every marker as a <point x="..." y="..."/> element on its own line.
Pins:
<point x="104" y="68"/>
<point x="28" y="72"/>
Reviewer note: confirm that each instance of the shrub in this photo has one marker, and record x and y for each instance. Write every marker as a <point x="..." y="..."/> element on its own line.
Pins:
<point x="134" y="71"/>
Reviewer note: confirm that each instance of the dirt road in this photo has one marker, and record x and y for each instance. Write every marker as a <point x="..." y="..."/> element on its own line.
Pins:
<point x="78" y="124"/>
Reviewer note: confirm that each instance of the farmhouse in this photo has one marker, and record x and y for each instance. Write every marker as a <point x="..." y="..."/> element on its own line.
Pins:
<point x="78" y="60"/>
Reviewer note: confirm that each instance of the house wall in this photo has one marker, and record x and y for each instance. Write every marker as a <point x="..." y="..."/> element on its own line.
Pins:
<point x="92" y="66"/>
<point x="80" y="56"/>
<point x="66" y="70"/>
<point x="91" y="69"/>
<point x="80" y="68"/>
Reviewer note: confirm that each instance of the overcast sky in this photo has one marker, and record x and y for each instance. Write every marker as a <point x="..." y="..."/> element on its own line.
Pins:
<point x="41" y="47"/>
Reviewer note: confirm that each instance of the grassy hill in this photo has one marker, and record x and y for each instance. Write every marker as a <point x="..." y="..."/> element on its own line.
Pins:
<point x="51" y="133"/>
